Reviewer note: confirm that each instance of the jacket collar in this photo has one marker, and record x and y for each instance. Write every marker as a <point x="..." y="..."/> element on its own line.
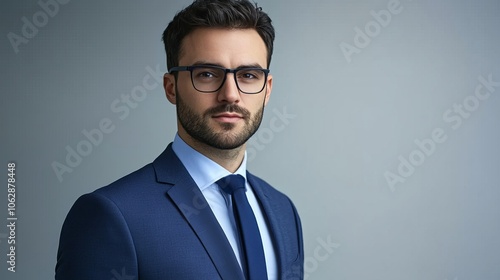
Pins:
<point x="188" y="198"/>
<point x="273" y="221"/>
<point x="195" y="209"/>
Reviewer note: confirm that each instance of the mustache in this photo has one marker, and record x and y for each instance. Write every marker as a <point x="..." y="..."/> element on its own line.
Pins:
<point x="228" y="108"/>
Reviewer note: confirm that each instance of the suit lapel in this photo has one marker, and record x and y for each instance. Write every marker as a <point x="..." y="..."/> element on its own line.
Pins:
<point x="195" y="209"/>
<point x="273" y="221"/>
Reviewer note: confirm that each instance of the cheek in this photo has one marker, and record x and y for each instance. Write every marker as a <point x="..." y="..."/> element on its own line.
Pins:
<point x="254" y="103"/>
<point x="195" y="101"/>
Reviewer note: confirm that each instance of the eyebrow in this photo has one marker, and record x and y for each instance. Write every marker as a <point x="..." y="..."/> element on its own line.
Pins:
<point x="243" y="66"/>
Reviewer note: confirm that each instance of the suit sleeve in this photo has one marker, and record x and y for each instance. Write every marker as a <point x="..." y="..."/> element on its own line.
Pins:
<point x="95" y="242"/>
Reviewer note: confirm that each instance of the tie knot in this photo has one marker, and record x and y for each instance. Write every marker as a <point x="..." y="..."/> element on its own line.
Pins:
<point x="231" y="183"/>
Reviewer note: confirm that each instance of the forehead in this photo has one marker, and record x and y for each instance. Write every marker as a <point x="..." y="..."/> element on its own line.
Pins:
<point x="226" y="47"/>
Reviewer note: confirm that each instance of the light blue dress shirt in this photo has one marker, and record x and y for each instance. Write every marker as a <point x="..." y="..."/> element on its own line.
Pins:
<point x="205" y="172"/>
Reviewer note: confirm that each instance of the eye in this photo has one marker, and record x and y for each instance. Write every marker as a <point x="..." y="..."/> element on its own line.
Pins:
<point x="205" y="74"/>
<point x="249" y="75"/>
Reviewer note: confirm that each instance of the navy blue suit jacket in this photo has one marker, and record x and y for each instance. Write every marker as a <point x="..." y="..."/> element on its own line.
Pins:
<point x="155" y="224"/>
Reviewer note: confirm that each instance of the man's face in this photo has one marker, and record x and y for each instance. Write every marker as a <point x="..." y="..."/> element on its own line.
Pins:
<point x="225" y="119"/>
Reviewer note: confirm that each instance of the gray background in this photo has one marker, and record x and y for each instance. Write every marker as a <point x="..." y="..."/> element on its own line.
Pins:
<point x="348" y="124"/>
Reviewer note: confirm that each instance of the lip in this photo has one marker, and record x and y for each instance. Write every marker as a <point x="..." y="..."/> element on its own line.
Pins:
<point x="227" y="117"/>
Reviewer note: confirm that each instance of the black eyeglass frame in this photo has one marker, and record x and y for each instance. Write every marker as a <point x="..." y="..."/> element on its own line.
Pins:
<point x="226" y="71"/>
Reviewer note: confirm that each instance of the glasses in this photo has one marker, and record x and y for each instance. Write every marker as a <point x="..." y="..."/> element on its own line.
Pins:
<point x="208" y="78"/>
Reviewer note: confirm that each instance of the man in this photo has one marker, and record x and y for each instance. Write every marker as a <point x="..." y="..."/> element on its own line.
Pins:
<point x="195" y="212"/>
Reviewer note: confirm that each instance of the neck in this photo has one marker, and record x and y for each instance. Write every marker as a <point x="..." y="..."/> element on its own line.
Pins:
<point x="229" y="159"/>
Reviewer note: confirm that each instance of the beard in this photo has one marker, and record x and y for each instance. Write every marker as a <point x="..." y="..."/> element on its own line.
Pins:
<point x="197" y="126"/>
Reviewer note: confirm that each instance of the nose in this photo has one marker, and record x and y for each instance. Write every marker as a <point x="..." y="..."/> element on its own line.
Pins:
<point x="229" y="92"/>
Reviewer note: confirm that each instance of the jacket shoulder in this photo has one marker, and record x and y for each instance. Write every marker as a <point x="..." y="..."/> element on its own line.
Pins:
<point x="130" y="183"/>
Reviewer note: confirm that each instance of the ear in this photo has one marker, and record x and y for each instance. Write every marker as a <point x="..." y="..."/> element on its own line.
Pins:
<point x="269" y="88"/>
<point x="169" y="86"/>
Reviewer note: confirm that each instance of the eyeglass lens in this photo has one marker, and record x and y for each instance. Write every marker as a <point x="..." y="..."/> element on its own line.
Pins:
<point x="210" y="79"/>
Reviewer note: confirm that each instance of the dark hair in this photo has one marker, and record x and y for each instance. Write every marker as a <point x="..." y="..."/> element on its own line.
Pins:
<point x="240" y="14"/>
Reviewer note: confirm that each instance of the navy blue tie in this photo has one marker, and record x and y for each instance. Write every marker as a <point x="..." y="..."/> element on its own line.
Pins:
<point x="247" y="226"/>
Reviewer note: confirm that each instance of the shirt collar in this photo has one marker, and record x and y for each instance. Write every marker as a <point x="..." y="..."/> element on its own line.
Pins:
<point x="203" y="170"/>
